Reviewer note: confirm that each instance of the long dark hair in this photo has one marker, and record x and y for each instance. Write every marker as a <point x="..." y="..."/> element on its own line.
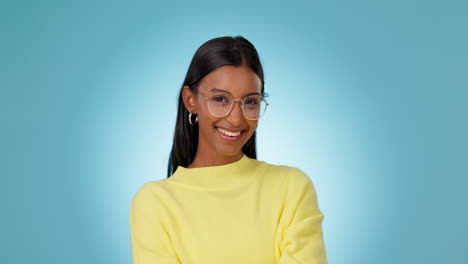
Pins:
<point x="214" y="53"/>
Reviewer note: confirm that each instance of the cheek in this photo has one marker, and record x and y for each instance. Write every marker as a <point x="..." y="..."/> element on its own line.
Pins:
<point x="252" y="128"/>
<point x="253" y="125"/>
<point x="204" y="115"/>
<point x="207" y="121"/>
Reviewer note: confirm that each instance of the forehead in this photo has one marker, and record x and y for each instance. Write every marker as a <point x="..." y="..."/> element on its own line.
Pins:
<point x="236" y="80"/>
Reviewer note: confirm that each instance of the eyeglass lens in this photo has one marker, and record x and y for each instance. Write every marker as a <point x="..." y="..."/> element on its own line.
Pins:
<point x="220" y="104"/>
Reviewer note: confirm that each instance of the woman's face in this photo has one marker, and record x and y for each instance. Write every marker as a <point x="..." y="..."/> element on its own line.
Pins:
<point x="213" y="144"/>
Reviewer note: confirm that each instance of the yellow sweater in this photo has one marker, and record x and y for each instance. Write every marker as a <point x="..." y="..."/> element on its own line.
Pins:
<point x="244" y="212"/>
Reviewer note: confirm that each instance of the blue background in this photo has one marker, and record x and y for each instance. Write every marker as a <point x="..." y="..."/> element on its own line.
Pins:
<point x="369" y="98"/>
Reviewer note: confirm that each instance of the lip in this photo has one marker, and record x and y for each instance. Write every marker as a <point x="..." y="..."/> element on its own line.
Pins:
<point x="228" y="138"/>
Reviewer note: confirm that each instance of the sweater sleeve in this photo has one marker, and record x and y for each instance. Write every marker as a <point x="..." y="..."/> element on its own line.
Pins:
<point x="151" y="243"/>
<point x="299" y="237"/>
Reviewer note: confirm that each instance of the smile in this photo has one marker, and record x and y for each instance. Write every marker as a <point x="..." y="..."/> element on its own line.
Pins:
<point x="230" y="135"/>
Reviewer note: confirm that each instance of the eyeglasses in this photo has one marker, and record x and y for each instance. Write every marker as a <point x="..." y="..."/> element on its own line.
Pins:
<point x="220" y="104"/>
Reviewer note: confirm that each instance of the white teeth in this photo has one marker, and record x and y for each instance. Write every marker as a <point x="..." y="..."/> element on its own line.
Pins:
<point x="228" y="133"/>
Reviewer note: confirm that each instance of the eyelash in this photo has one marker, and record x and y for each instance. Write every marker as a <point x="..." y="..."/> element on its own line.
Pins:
<point x="215" y="98"/>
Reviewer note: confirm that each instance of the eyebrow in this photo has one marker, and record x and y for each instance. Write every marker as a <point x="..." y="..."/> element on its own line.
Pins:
<point x="220" y="90"/>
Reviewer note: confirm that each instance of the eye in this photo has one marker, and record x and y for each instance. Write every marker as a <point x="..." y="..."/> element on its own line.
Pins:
<point x="251" y="101"/>
<point x="219" y="99"/>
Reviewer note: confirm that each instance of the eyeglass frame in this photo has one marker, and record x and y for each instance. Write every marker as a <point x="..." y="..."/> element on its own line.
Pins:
<point x="233" y="102"/>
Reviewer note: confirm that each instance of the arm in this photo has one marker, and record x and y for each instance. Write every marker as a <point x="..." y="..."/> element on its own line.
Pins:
<point x="150" y="240"/>
<point x="299" y="238"/>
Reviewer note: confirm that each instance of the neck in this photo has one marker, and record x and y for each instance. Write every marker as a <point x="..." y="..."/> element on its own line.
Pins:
<point x="217" y="177"/>
<point x="201" y="160"/>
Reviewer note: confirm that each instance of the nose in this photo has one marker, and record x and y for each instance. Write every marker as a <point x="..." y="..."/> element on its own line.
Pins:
<point x="236" y="116"/>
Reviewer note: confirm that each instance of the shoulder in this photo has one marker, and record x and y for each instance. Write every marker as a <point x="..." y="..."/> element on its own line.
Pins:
<point x="149" y="193"/>
<point x="298" y="181"/>
<point x="287" y="173"/>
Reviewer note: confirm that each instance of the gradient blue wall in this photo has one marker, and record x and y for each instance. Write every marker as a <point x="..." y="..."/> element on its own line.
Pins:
<point x="369" y="98"/>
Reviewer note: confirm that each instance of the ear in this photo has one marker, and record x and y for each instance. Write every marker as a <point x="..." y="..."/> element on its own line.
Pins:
<point x="189" y="99"/>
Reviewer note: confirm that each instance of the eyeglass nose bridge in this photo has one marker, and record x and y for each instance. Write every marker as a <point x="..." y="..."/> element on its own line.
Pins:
<point x="240" y="100"/>
<point x="241" y="106"/>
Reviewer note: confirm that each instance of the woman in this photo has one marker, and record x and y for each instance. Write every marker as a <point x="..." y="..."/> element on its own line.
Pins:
<point x="219" y="204"/>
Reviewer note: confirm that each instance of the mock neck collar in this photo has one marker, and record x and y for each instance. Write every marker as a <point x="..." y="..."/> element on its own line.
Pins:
<point x="209" y="177"/>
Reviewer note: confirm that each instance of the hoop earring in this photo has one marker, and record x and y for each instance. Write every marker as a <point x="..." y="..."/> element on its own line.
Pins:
<point x="190" y="119"/>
